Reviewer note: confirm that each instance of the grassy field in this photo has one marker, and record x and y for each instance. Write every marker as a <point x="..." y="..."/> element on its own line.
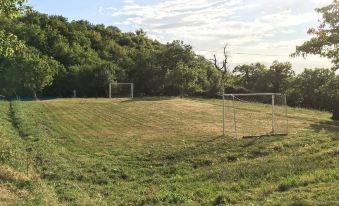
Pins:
<point x="165" y="151"/>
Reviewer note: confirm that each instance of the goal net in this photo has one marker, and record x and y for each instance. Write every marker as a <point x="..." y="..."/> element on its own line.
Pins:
<point x="254" y="115"/>
<point x="121" y="90"/>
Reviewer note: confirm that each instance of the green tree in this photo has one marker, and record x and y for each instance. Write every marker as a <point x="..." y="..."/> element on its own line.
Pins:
<point x="280" y="75"/>
<point x="86" y="52"/>
<point x="182" y="79"/>
<point x="35" y="71"/>
<point x="331" y="89"/>
<point x="93" y="80"/>
<point x="252" y="77"/>
<point x="325" y="41"/>
<point x="9" y="43"/>
<point x="12" y="8"/>
<point x="311" y="89"/>
<point x="326" y="36"/>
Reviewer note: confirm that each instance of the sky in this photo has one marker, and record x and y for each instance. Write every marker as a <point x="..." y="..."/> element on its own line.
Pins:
<point x="255" y="30"/>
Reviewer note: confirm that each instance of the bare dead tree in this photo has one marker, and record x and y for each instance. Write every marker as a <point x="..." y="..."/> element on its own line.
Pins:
<point x="224" y="67"/>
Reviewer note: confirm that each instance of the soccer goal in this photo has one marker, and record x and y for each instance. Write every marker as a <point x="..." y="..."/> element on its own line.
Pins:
<point x="121" y="90"/>
<point x="254" y="115"/>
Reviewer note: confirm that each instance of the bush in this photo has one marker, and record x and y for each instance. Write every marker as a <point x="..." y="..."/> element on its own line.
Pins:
<point x="336" y="109"/>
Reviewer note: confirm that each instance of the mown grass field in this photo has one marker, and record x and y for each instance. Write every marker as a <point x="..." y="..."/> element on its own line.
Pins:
<point x="160" y="151"/>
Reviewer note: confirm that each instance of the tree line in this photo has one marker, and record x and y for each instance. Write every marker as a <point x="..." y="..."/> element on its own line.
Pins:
<point x="316" y="88"/>
<point x="42" y="55"/>
<point x="61" y="56"/>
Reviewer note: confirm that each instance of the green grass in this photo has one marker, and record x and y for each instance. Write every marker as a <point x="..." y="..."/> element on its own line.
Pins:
<point x="165" y="151"/>
<point x="16" y="188"/>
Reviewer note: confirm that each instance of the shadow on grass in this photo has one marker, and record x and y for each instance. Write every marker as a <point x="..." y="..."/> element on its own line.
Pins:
<point x="218" y="145"/>
<point x="331" y="126"/>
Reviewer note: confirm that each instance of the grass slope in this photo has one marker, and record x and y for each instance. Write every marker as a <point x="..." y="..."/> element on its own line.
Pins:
<point x="16" y="188"/>
<point x="164" y="151"/>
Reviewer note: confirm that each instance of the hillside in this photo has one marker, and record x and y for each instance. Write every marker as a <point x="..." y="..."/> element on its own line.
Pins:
<point x="160" y="151"/>
<point x="66" y="55"/>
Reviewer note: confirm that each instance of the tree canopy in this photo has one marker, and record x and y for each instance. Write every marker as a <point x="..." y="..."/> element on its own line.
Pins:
<point x="326" y="37"/>
<point x="9" y="43"/>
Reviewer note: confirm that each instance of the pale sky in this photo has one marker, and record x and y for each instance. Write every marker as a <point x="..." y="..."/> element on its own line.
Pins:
<point x="256" y="30"/>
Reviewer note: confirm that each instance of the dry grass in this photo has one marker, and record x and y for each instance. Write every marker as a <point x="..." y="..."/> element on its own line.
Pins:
<point x="152" y="120"/>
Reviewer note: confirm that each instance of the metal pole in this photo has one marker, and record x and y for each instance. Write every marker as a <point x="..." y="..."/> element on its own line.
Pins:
<point x="286" y="115"/>
<point x="235" y="121"/>
<point x="223" y="114"/>
<point x="273" y="121"/>
<point x="110" y="91"/>
<point x="132" y="90"/>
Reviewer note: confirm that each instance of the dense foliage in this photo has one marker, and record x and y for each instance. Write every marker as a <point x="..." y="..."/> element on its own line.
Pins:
<point x="91" y="56"/>
<point x="326" y="36"/>
<point x="325" y="43"/>
<point x="313" y="88"/>
<point x="9" y="43"/>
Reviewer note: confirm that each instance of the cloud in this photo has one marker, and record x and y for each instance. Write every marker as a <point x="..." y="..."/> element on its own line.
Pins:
<point x="257" y="26"/>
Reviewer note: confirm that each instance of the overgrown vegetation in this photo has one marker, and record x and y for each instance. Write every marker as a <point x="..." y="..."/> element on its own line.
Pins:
<point x="99" y="152"/>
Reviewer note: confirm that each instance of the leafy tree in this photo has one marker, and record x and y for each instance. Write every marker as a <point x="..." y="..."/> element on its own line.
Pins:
<point x="35" y="71"/>
<point x="9" y="43"/>
<point x="209" y="79"/>
<point x="93" y="80"/>
<point x="12" y="8"/>
<point x="257" y="78"/>
<point x="279" y="75"/>
<point x="335" y="115"/>
<point x="252" y="77"/>
<point x="331" y="91"/>
<point x="182" y="80"/>
<point x="9" y="84"/>
<point x="310" y="89"/>
<point x="325" y="41"/>
<point x="326" y="36"/>
<point x="245" y="74"/>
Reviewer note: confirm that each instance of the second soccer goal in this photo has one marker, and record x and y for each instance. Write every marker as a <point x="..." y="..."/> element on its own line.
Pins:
<point x="121" y="90"/>
<point x="254" y="114"/>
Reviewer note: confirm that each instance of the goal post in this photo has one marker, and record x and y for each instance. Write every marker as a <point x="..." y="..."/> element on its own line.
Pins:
<point x="128" y="86"/>
<point x="254" y="114"/>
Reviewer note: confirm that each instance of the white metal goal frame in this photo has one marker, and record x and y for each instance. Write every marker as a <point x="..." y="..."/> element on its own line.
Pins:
<point x="273" y="115"/>
<point x="124" y="84"/>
